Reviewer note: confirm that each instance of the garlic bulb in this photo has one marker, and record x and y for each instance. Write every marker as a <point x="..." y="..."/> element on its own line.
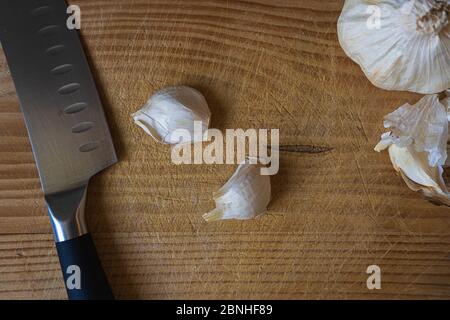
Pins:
<point x="399" y="44"/>
<point x="245" y="196"/>
<point x="172" y="109"/>
<point x="417" y="145"/>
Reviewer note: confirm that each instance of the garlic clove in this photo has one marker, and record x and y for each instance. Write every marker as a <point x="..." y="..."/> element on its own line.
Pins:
<point x="246" y="195"/>
<point x="171" y="109"/>
<point x="400" y="45"/>
<point x="417" y="145"/>
<point x="418" y="174"/>
<point x="386" y="140"/>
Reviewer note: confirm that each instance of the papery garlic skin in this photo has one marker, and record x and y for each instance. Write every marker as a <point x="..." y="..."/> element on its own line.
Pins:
<point x="398" y="43"/>
<point x="446" y="103"/>
<point x="423" y="125"/>
<point x="172" y="109"/>
<point x="245" y="196"/>
<point x="417" y="145"/>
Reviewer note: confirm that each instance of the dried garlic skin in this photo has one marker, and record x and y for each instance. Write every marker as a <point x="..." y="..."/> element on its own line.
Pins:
<point x="423" y="125"/>
<point x="245" y="196"/>
<point x="446" y="103"/>
<point x="417" y="145"/>
<point x="399" y="44"/>
<point x="171" y="109"/>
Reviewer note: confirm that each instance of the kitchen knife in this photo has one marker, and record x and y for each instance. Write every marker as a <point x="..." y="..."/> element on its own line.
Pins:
<point x="67" y="128"/>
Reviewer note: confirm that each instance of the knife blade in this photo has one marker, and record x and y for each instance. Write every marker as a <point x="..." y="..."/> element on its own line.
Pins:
<point x="67" y="128"/>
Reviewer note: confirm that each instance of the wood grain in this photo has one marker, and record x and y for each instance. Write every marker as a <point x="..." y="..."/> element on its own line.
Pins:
<point x="260" y="64"/>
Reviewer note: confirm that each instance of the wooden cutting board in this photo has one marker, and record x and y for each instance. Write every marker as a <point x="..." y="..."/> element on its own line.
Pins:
<point x="338" y="206"/>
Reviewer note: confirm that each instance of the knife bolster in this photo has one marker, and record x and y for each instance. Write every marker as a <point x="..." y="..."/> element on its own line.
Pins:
<point x="66" y="211"/>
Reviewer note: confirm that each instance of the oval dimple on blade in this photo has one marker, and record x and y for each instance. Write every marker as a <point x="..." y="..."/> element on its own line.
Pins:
<point x="82" y="127"/>
<point x="39" y="11"/>
<point x="90" y="146"/>
<point x="69" y="88"/>
<point x="75" y="108"/>
<point x="48" y="30"/>
<point x="54" y="50"/>
<point x="64" y="68"/>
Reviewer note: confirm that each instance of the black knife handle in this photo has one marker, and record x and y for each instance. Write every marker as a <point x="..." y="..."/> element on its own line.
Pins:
<point x="84" y="277"/>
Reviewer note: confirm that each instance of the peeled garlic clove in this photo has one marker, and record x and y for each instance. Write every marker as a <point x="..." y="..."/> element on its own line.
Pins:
<point x="400" y="45"/>
<point x="417" y="145"/>
<point x="245" y="196"/>
<point x="171" y="109"/>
